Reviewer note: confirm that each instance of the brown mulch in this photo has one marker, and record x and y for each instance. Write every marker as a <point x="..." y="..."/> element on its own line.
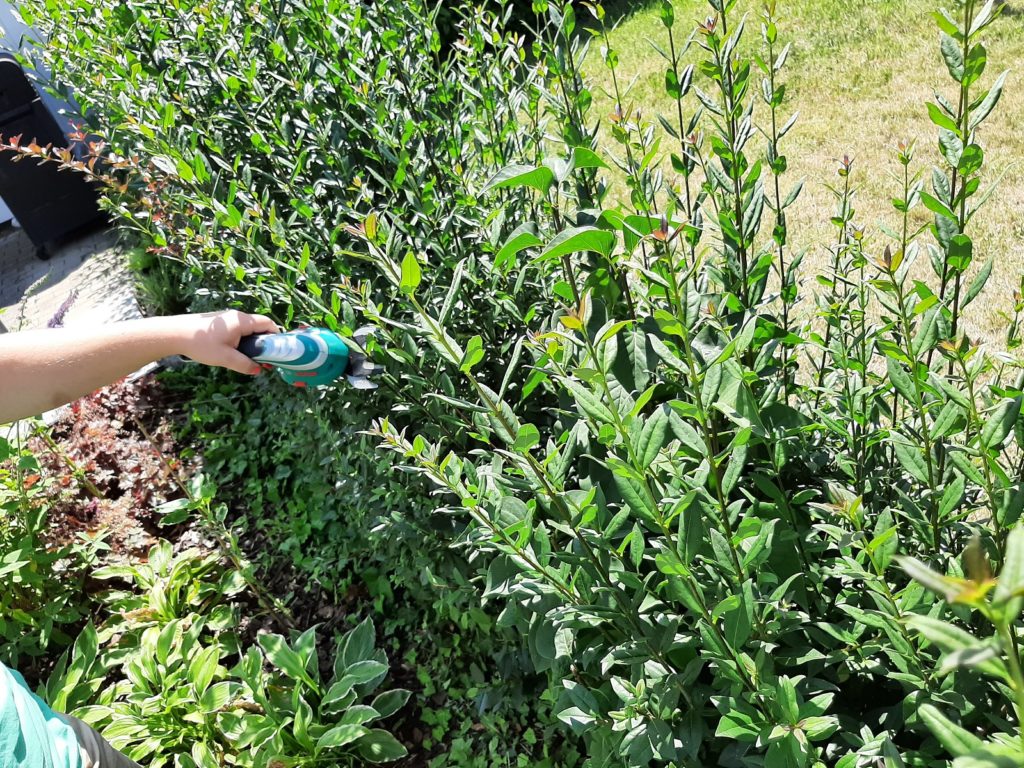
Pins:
<point x="114" y="460"/>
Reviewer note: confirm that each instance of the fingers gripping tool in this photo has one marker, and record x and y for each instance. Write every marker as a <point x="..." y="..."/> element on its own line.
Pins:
<point x="313" y="357"/>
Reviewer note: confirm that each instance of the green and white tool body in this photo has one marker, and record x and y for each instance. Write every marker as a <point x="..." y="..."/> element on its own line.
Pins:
<point x="313" y="357"/>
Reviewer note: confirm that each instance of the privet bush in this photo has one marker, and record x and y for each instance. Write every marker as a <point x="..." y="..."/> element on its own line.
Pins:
<point x="361" y="110"/>
<point x="293" y="130"/>
<point x="734" y="531"/>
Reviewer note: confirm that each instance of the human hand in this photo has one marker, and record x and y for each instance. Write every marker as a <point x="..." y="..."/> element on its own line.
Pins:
<point x="212" y="338"/>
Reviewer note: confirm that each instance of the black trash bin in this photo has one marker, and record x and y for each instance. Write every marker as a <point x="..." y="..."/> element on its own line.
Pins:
<point x="49" y="203"/>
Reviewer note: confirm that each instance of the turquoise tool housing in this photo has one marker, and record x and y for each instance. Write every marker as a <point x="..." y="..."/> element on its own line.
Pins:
<point x="307" y="357"/>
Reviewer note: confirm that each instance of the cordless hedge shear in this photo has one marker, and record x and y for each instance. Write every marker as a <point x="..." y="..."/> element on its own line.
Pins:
<point x="313" y="357"/>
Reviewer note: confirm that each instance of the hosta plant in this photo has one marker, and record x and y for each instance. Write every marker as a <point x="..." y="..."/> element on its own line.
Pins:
<point x="192" y="701"/>
<point x="177" y="687"/>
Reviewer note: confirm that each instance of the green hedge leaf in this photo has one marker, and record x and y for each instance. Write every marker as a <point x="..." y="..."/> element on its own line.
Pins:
<point x="538" y="177"/>
<point x="580" y="240"/>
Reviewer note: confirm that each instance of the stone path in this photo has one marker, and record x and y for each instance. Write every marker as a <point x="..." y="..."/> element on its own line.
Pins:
<point x="92" y="269"/>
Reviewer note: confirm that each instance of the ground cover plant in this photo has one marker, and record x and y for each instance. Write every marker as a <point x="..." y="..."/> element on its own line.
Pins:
<point x="169" y="650"/>
<point x="42" y="605"/>
<point x="743" y="512"/>
<point x="336" y="539"/>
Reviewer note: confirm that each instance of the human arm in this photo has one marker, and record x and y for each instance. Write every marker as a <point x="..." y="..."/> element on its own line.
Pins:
<point x="42" y="369"/>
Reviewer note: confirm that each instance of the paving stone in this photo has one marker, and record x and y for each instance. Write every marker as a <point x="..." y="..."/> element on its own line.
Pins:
<point x="92" y="269"/>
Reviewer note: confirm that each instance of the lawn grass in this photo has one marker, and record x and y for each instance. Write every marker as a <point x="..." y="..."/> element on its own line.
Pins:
<point x="859" y="74"/>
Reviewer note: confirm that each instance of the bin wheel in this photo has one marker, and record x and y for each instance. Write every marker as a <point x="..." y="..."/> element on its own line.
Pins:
<point x="42" y="253"/>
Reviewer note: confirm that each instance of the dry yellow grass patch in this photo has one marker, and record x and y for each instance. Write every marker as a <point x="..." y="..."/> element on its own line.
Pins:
<point x="860" y="73"/>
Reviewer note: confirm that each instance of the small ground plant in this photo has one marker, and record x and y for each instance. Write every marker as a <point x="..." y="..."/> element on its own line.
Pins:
<point x="169" y="681"/>
<point x="741" y="517"/>
<point x="43" y="601"/>
<point x="176" y="660"/>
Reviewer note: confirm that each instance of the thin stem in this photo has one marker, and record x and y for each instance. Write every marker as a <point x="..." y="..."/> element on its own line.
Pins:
<point x="919" y="405"/>
<point x="732" y="131"/>
<point x="1009" y="644"/>
<point x="841" y="244"/>
<point x="975" y="421"/>
<point x="780" y="219"/>
<point x="76" y="471"/>
<point x="711" y="444"/>
<point x="682" y="124"/>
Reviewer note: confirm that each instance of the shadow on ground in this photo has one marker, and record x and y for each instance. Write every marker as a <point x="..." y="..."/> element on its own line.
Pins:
<point x="620" y="10"/>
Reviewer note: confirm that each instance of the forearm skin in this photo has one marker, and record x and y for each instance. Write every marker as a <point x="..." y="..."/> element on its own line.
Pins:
<point x="43" y="369"/>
